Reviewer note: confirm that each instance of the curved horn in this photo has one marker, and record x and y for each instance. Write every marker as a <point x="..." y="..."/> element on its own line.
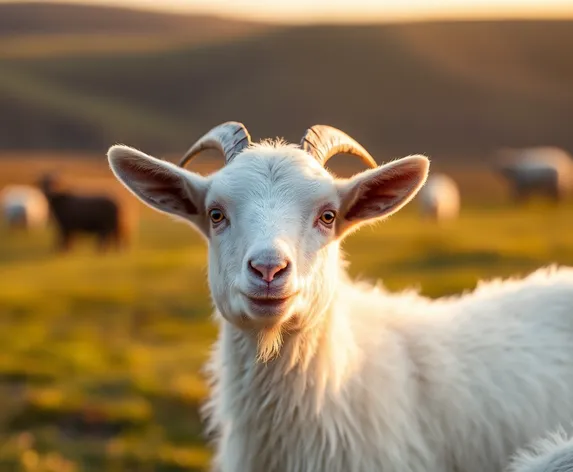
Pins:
<point x="323" y="142"/>
<point x="228" y="138"/>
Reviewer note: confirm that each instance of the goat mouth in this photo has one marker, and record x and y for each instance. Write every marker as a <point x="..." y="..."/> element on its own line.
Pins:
<point x="268" y="305"/>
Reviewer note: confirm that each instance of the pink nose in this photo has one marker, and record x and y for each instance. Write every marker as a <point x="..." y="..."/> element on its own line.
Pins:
<point x="268" y="272"/>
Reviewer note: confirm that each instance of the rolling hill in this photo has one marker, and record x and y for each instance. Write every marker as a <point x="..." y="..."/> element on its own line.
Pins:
<point x="40" y="30"/>
<point x="52" y="18"/>
<point x="453" y="90"/>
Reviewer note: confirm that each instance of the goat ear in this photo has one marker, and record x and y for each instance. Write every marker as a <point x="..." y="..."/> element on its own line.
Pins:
<point x="380" y="192"/>
<point x="161" y="185"/>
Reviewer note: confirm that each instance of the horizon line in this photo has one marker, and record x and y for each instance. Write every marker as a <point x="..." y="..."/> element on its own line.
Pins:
<point x="365" y="18"/>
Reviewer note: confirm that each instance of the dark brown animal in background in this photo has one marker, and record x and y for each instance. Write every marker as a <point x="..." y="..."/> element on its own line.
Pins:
<point x="99" y="215"/>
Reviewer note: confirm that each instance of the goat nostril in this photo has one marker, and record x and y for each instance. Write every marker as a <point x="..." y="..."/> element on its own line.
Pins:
<point x="282" y="269"/>
<point x="254" y="270"/>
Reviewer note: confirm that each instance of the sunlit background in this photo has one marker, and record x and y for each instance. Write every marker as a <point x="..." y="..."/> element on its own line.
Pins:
<point x="344" y="11"/>
<point x="101" y="349"/>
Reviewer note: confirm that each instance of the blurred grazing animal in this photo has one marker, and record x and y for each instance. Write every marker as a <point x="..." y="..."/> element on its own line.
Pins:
<point x="553" y="453"/>
<point x="24" y="206"/>
<point x="439" y="198"/>
<point x="99" y="215"/>
<point x="314" y="372"/>
<point x="541" y="170"/>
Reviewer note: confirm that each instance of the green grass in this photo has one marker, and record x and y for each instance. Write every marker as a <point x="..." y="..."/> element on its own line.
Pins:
<point x="100" y="361"/>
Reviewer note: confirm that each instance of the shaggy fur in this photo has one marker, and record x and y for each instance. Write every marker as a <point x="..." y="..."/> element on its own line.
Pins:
<point x="348" y="377"/>
<point x="413" y="385"/>
<point x="553" y="453"/>
<point x="439" y="198"/>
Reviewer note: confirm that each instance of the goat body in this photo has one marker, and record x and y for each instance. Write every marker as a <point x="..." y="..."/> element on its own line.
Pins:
<point x="313" y="372"/>
<point x="24" y="206"/>
<point x="439" y="198"/>
<point x="400" y="383"/>
<point x="99" y="215"/>
<point x="543" y="170"/>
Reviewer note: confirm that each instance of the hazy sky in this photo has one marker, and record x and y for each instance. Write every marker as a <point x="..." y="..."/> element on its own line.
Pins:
<point x="357" y="10"/>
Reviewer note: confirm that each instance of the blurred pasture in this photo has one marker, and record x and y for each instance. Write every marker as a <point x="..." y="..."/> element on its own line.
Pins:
<point x="101" y="355"/>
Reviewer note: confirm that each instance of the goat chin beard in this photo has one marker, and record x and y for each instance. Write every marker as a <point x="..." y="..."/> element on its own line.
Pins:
<point x="268" y="333"/>
<point x="269" y="342"/>
<point x="272" y="332"/>
<point x="271" y="338"/>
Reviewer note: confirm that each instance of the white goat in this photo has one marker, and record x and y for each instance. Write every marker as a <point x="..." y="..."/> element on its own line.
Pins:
<point x="439" y="198"/>
<point x="544" y="170"/>
<point x="552" y="453"/>
<point x="312" y="372"/>
<point x="24" y="206"/>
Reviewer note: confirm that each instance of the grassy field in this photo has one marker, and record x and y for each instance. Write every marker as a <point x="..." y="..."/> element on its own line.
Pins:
<point x="100" y="361"/>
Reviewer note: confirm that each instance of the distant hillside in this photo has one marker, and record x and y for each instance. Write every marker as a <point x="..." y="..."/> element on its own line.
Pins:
<point x="45" y="18"/>
<point x="453" y="90"/>
<point x="43" y="30"/>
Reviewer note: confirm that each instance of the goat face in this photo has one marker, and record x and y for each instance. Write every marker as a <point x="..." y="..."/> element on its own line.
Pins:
<point x="274" y="218"/>
<point x="272" y="235"/>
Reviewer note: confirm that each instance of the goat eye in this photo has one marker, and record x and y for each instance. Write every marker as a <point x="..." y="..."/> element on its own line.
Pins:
<point x="216" y="215"/>
<point x="328" y="217"/>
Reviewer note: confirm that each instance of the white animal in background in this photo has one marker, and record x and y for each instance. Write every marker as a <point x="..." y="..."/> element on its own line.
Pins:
<point x="24" y="206"/>
<point x="314" y="372"/>
<point x="540" y="170"/>
<point x="552" y="453"/>
<point x="439" y="198"/>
